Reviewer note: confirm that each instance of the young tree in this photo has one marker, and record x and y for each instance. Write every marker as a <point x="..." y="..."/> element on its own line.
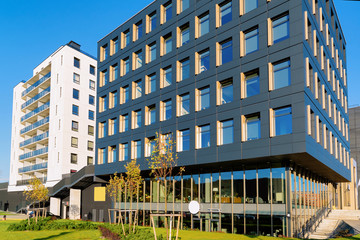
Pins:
<point x="36" y="192"/>
<point x="162" y="163"/>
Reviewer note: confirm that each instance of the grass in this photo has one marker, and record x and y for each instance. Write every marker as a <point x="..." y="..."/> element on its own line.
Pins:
<point x="95" y="234"/>
<point x="5" y="213"/>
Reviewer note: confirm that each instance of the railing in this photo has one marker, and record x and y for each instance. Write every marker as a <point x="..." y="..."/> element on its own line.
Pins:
<point x="37" y="97"/>
<point x="27" y="181"/>
<point x="37" y="83"/>
<point x="36" y="111"/>
<point x="33" y="167"/>
<point x="35" y="125"/>
<point x="33" y="153"/>
<point x="313" y="223"/>
<point x="35" y="139"/>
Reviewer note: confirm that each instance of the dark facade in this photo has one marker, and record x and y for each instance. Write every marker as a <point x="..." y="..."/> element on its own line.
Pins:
<point x="254" y="95"/>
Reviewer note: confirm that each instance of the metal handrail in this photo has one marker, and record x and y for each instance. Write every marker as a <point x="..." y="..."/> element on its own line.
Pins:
<point x="35" y="98"/>
<point x="36" y="84"/>
<point x="313" y="223"/>
<point x="36" y="111"/>
<point x="35" y="125"/>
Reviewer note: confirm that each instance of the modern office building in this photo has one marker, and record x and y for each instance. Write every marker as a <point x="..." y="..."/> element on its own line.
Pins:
<point x="53" y="121"/>
<point x="354" y="120"/>
<point x="255" y="94"/>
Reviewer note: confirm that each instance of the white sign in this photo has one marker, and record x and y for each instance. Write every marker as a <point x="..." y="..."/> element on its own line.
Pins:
<point x="194" y="207"/>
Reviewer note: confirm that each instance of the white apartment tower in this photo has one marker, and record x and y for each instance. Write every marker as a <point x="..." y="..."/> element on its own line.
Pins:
<point x="53" y="120"/>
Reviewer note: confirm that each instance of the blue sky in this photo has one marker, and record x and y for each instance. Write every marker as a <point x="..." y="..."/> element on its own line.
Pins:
<point x="32" y="30"/>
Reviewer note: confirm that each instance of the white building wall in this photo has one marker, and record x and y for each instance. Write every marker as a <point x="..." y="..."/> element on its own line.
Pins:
<point x="61" y="101"/>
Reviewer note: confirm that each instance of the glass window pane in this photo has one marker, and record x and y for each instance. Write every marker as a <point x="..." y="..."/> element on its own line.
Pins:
<point x="281" y="74"/>
<point x="226" y="92"/>
<point x="252" y="128"/>
<point x="185" y="36"/>
<point x="264" y="185"/>
<point x="204" y="136"/>
<point x="227" y="134"/>
<point x="251" y="41"/>
<point x="226" y="52"/>
<point x="204" y="25"/>
<point x="252" y="84"/>
<point x="250" y="5"/>
<point x="225" y="13"/>
<point x="280" y="28"/>
<point x="250" y="186"/>
<point x="283" y="121"/>
<point x="204" y="98"/>
<point x="185" y="69"/>
<point x="204" y="61"/>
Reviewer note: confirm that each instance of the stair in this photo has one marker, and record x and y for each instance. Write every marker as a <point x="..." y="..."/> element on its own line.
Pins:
<point x="327" y="227"/>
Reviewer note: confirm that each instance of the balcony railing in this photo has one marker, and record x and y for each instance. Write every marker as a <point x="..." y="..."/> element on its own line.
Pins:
<point x="33" y="167"/>
<point x="27" y="181"/>
<point x="35" y="139"/>
<point x="36" y="111"/>
<point x="34" y="125"/>
<point x="37" y="97"/>
<point x="33" y="153"/>
<point x="37" y="83"/>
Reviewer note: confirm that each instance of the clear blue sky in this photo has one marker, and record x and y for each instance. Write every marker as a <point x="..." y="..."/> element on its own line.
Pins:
<point x="32" y="30"/>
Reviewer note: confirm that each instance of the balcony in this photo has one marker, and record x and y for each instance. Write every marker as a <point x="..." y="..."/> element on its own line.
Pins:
<point x="35" y="111"/>
<point x="27" y="181"/>
<point x="35" y="139"/>
<point x="36" y="153"/>
<point x="36" y="84"/>
<point x="34" y="167"/>
<point x="35" y="125"/>
<point x="34" y="99"/>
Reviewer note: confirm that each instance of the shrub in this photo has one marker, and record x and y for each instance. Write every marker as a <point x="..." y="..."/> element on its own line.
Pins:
<point x="117" y="233"/>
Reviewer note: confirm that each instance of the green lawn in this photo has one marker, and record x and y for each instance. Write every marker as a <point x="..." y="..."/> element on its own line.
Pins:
<point x="95" y="234"/>
<point x="5" y="213"/>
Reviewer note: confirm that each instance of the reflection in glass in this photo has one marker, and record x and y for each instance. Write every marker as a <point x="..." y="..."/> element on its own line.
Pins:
<point x="250" y="186"/>
<point x="225" y="187"/>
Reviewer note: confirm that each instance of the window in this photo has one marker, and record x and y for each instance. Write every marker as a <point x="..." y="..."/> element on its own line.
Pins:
<point x="136" y="119"/>
<point x="252" y="127"/>
<point x="91" y="115"/>
<point x="249" y="5"/>
<point x="76" y="78"/>
<point x="183" y="141"/>
<point x="183" y="5"/>
<point x="251" y="84"/>
<point x="104" y="52"/>
<point x="225" y="91"/>
<point x="184" y="35"/>
<point x="184" y="66"/>
<point x="124" y="151"/>
<point x="151" y="114"/>
<point x="166" y="110"/>
<point x="282" y="121"/>
<point x="114" y="72"/>
<point x="73" y="158"/>
<point x="90" y="160"/>
<point x="166" y="77"/>
<point x="203" y="61"/>
<point x="102" y="103"/>
<point x="152" y="52"/>
<point x="203" y="26"/>
<point x="225" y="51"/>
<point x="225" y="13"/>
<point x="150" y="146"/>
<point x="136" y="149"/>
<point x="90" y="130"/>
<point x="203" y="136"/>
<point x="150" y="83"/>
<point x="74" y="142"/>
<point x="75" y="94"/>
<point x="124" y="123"/>
<point x="75" y="110"/>
<point x="151" y="22"/>
<point x="226" y="132"/>
<point x="74" y="126"/>
<point x="104" y="78"/>
<point x="167" y="44"/>
<point x="125" y="94"/>
<point x="76" y="62"/>
<point x="138" y="58"/>
<point x="125" y="66"/>
<point x="251" y="39"/>
<point x="92" y="70"/>
<point x="101" y="155"/>
<point x="113" y="126"/>
<point x="91" y="100"/>
<point x="90" y="146"/>
<point x="281" y="74"/>
<point x="114" y="46"/>
<point x="137" y="89"/>
<point x="138" y="29"/>
<point x="126" y="38"/>
<point x="113" y="99"/>
<point x="112" y="156"/>
<point x="167" y="12"/>
<point x="102" y="129"/>
<point x="203" y="98"/>
<point x="91" y="84"/>
<point x="280" y="28"/>
<point x="184" y="104"/>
